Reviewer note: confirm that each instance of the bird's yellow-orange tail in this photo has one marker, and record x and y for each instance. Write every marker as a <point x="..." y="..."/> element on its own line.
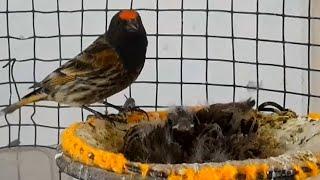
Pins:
<point x="34" y="96"/>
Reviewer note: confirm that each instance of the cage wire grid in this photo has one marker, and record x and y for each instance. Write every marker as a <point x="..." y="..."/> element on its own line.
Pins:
<point x="11" y="129"/>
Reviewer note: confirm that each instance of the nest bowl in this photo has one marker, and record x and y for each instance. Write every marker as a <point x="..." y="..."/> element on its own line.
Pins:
<point x="92" y="150"/>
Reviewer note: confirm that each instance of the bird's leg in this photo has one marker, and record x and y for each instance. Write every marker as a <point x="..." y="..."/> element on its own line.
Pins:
<point x="129" y="106"/>
<point x="98" y="114"/>
<point x="119" y="108"/>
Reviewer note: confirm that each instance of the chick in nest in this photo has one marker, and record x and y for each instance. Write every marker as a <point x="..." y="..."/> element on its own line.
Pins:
<point x="151" y="143"/>
<point x="231" y="117"/>
<point x="217" y="124"/>
<point x="209" y="146"/>
<point x="183" y="123"/>
<point x="162" y="142"/>
<point x="218" y="133"/>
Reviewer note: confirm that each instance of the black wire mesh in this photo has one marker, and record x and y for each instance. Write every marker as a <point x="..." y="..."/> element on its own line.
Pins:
<point x="219" y="31"/>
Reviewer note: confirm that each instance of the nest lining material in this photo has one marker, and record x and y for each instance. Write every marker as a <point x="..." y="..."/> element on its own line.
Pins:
<point x="101" y="150"/>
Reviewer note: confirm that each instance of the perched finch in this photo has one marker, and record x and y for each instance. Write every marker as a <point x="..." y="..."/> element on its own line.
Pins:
<point x="110" y="64"/>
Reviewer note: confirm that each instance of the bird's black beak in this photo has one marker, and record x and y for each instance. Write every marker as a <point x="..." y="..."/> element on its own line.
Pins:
<point x="182" y="127"/>
<point x="133" y="26"/>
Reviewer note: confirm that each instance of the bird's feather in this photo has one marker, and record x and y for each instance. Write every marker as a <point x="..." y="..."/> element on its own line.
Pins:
<point x="97" y="57"/>
<point x="34" y="96"/>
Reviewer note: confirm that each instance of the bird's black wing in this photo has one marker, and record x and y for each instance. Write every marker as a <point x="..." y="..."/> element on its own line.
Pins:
<point x="98" y="56"/>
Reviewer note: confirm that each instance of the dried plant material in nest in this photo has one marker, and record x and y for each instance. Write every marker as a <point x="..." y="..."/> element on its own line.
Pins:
<point x="102" y="134"/>
<point x="216" y="133"/>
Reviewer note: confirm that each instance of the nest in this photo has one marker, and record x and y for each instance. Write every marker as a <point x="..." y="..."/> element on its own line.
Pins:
<point x="231" y="141"/>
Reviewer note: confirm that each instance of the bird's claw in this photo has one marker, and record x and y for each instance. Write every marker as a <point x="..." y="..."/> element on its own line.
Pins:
<point x="134" y="109"/>
<point x="106" y="118"/>
<point x="100" y="115"/>
<point x="129" y="106"/>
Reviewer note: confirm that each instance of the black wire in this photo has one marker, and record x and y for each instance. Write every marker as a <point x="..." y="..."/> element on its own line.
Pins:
<point x="234" y="85"/>
<point x="130" y="88"/>
<point x="131" y="4"/>
<point x="181" y="54"/>
<point x="170" y="59"/>
<point x="157" y="55"/>
<point x="284" y="54"/>
<point x="309" y="69"/>
<point x="196" y="59"/>
<point x="106" y="27"/>
<point x="16" y="89"/>
<point x="11" y="83"/>
<point x="233" y="55"/>
<point x="207" y="51"/>
<point x="60" y="62"/>
<point x="9" y="73"/>
<point x="257" y="54"/>
<point x="81" y="43"/>
<point x="175" y="35"/>
<point x="34" y="73"/>
<point x="163" y="9"/>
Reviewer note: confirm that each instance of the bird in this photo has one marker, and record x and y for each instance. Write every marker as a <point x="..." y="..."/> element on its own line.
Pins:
<point x="152" y="143"/>
<point x="160" y="142"/>
<point x="209" y="145"/>
<point x="183" y="123"/>
<point x="229" y="116"/>
<point x="107" y="66"/>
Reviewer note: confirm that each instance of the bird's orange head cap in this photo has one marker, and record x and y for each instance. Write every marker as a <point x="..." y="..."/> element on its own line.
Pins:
<point x="128" y="15"/>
